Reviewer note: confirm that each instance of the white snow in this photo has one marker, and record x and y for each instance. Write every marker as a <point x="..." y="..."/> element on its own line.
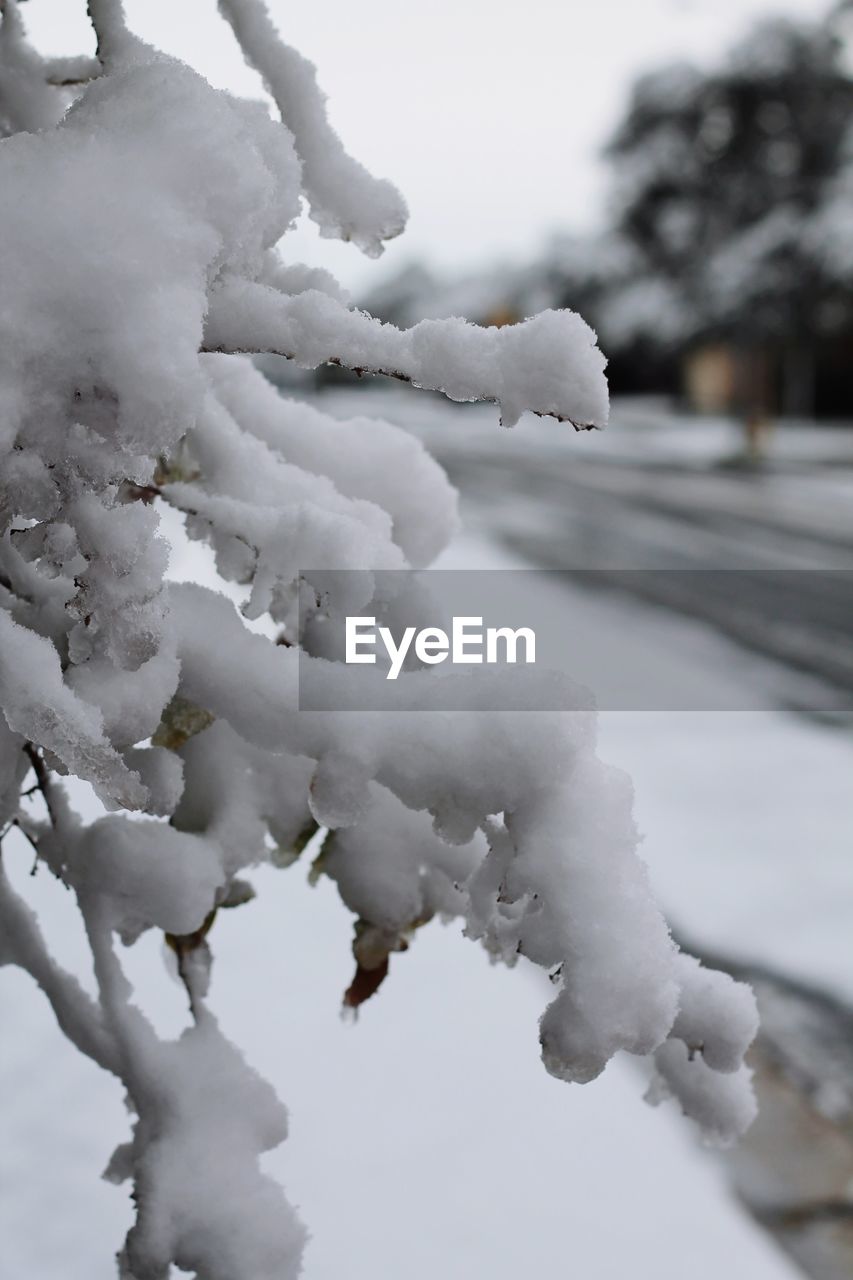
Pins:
<point x="137" y="241"/>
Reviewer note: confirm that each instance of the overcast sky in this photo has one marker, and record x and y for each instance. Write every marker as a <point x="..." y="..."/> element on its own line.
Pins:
<point x="488" y="114"/>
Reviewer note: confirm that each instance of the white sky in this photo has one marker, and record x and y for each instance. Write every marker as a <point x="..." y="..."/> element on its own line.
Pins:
<point x="488" y="114"/>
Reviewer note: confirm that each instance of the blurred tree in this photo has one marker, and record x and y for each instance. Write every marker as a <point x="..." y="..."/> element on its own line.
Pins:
<point x="722" y="178"/>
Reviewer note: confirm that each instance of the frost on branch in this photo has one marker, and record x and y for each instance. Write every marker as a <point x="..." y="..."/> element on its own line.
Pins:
<point x="40" y="706"/>
<point x="140" y="211"/>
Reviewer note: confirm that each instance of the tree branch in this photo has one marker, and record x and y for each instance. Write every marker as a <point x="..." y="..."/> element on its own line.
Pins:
<point x="549" y="365"/>
<point x="65" y="72"/>
<point x="345" y="200"/>
<point x="108" y="21"/>
<point x="808" y="1213"/>
<point x="78" y="1016"/>
<point x="44" y="784"/>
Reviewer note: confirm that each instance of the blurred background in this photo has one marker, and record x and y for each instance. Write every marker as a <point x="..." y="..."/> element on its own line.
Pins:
<point x="681" y="173"/>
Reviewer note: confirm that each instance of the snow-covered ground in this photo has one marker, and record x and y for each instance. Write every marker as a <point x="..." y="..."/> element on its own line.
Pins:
<point x="676" y="463"/>
<point x="427" y="1140"/>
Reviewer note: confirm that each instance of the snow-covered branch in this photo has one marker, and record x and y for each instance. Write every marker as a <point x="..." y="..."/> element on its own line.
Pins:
<point x="346" y="202"/>
<point x="549" y="365"/>
<point x="22" y="944"/>
<point x="107" y="17"/>
<point x="72" y="71"/>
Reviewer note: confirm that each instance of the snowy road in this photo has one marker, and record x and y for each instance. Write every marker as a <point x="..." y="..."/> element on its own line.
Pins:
<point x="765" y="555"/>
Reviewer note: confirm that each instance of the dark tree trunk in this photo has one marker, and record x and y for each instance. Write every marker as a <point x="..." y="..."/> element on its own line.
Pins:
<point x="798" y="380"/>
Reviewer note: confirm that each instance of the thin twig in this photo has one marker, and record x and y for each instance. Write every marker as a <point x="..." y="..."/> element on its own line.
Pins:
<point x="183" y="974"/>
<point x="107" y="19"/>
<point x="802" y="1215"/>
<point x="69" y="82"/>
<point x="183" y="944"/>
<point x="69" y="72"/>
<point x="28" y="836"/>
<point x="43" y="782"/>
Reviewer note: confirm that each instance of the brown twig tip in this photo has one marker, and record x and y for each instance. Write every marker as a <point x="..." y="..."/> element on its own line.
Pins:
<point x="365" y="984"/>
